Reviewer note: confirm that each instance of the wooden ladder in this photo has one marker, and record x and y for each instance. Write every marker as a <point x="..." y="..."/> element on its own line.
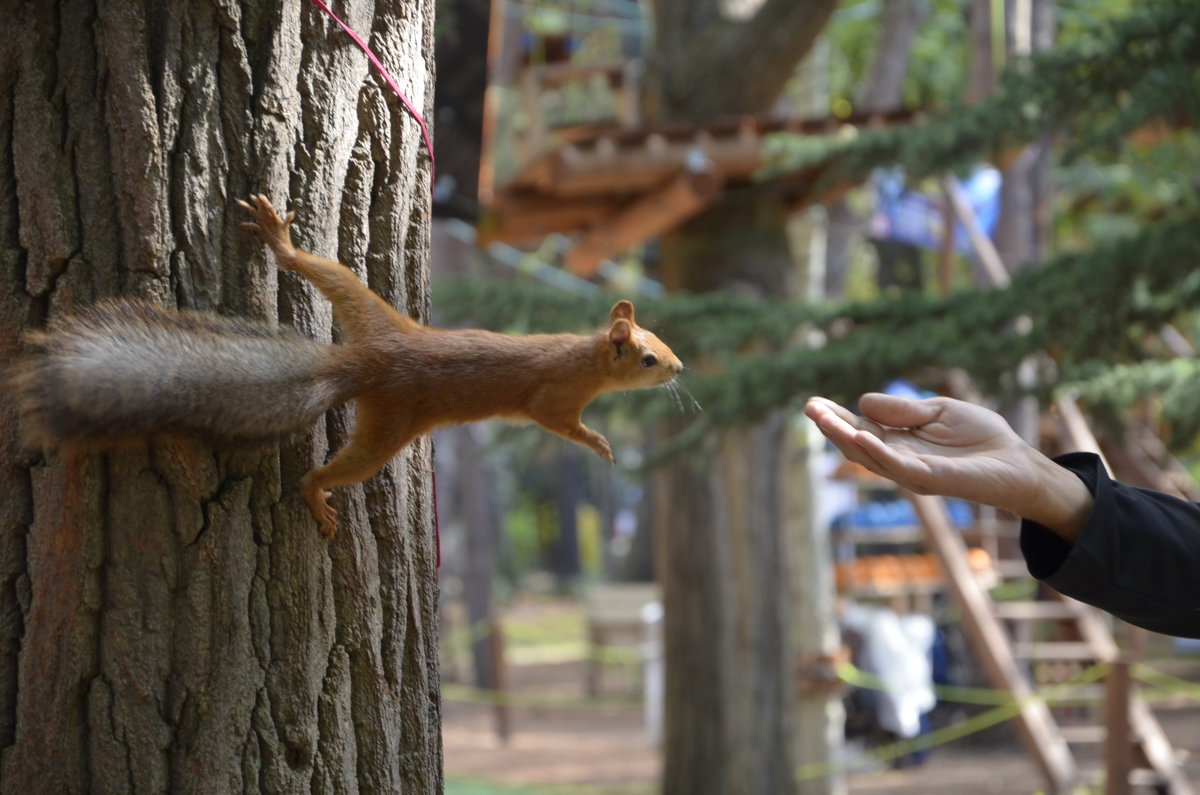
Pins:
<point x="1005" y="662"/>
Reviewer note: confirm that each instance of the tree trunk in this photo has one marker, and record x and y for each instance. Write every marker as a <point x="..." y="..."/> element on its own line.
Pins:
<point x="569" y="491"/>
<point x="171" y="618"/>
<point x="730" y="695"/>
<point x="729" y="689"/>
<point x="479" y="522"/>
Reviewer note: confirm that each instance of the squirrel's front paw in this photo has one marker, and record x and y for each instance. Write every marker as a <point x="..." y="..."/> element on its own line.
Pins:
<point x="603" y="449"/>
<point x="272" y="228"/>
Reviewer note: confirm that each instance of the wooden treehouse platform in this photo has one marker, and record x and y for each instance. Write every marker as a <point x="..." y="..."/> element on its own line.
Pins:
<point x="613" y="184"/>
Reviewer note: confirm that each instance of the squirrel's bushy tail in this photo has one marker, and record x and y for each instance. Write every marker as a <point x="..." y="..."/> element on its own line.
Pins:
<point x="130" y="369"/>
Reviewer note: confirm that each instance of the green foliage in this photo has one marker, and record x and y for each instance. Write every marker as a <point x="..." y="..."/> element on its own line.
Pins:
<point x="1109" y="197"/>
<point x="1170" y="384"/>
<point x="1089" y="310"/>
<point x="1093" y="94"/>
<point x="935" y="74"/>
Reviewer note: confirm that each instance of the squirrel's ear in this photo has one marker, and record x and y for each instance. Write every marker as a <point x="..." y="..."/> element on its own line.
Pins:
<point x="622" y="309"/>
<point x="620" y="332"/>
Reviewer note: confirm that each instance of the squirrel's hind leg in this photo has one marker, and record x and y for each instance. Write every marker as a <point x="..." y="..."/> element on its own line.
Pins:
<point x="373" y="444"/>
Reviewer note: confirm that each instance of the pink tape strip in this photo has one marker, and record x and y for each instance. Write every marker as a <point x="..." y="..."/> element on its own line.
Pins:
<point x="387" y="76"/>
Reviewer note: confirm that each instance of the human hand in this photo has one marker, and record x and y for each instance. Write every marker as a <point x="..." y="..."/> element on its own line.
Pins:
<point x="956" y="449"/>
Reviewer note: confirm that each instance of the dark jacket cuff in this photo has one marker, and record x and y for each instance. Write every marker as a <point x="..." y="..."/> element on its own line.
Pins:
<point x="1137" y="556"/>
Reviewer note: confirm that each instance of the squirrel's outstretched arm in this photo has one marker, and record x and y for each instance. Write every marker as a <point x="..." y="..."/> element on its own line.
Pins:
<point x="359" y="312"/>
<point x="572" y="428"/>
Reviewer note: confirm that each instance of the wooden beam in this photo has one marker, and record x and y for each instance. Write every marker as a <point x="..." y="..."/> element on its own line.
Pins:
<point x="606" y="167"/>
<point x="1079" y="436"/>
<point x="1118" y="744"/>
<point x="984" y="248"/>
<point x="491" y="103"/>
<point x="1035" y="726"/>
<point x="557" y="75"/>
<point x="521" y="218"/>
<point x="1145" y="728"/>
<point x="681" y="197"/>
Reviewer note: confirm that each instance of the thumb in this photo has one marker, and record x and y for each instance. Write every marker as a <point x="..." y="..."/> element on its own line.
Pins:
<point x="894" y="411"/>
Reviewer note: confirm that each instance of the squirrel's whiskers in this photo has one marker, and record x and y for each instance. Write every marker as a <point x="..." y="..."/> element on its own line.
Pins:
<point x="678" y="390"/>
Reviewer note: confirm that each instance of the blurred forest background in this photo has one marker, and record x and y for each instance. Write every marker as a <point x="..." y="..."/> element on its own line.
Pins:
<point x="989" y="198"/>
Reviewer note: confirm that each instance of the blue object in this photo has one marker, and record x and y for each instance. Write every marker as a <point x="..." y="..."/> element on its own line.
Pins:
<point x="909" y="216"/>
<point x="907" y="389"/>
<point x="885" y="515"/>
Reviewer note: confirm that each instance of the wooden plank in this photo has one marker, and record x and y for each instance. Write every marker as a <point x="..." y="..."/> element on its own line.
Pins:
<point x="1042" y="610"/>
<point x="1118" y="748"/>
<point x="656" y="212"/>
<point x="500" y="710"/>
<point x="491" y="103"/>
<point x="1083" y="735"/>
<point x="601" y="168"/>
<point x="514" y="218"/>
<point x="1147" y="731"/>
<point x="1010" y="569"/>
<point x="1034" y="723"/>
<point x="1079" y="435"/>
<point x="1060" y="650"/>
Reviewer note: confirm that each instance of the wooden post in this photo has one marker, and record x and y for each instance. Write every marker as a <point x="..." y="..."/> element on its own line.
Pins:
<point x="499" y="682"/>
<point x="1118" y="748"/>
<point x="491" y="101"/>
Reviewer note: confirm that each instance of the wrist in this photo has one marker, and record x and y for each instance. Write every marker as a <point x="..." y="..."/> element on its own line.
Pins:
<point x="1061" y="502"/>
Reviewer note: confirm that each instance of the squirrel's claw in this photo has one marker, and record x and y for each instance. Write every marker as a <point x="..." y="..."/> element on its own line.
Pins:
<point x="604" y="449"/>
<point x="324" y="513"/>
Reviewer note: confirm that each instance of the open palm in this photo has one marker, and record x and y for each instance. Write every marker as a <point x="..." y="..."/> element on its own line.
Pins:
<point x="934" y="446"/>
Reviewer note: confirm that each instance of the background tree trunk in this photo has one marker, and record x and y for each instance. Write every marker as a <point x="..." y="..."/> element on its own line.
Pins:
<point x="729" y="699"/>
<point x="171" y="619"/>
<point x="730" y="695"/>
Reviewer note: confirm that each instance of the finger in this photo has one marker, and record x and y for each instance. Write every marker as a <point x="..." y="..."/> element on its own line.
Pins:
<point x="833" y="420"/>
<point x="895" y="411"/>
<point x="892" y="462"/>
<point x="838" y="425"/>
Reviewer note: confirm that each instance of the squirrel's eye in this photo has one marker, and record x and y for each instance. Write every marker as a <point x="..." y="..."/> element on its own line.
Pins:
<point x="649" y="361"/>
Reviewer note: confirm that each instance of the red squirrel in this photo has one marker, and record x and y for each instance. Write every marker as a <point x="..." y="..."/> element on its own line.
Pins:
<point x="129" y="369"/>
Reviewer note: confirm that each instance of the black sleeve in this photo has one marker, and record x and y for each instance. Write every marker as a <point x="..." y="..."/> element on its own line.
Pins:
<point x="1137" y="557"/>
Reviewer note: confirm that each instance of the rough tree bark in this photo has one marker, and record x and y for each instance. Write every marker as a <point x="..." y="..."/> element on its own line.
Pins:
<point x="170" y="619"/>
